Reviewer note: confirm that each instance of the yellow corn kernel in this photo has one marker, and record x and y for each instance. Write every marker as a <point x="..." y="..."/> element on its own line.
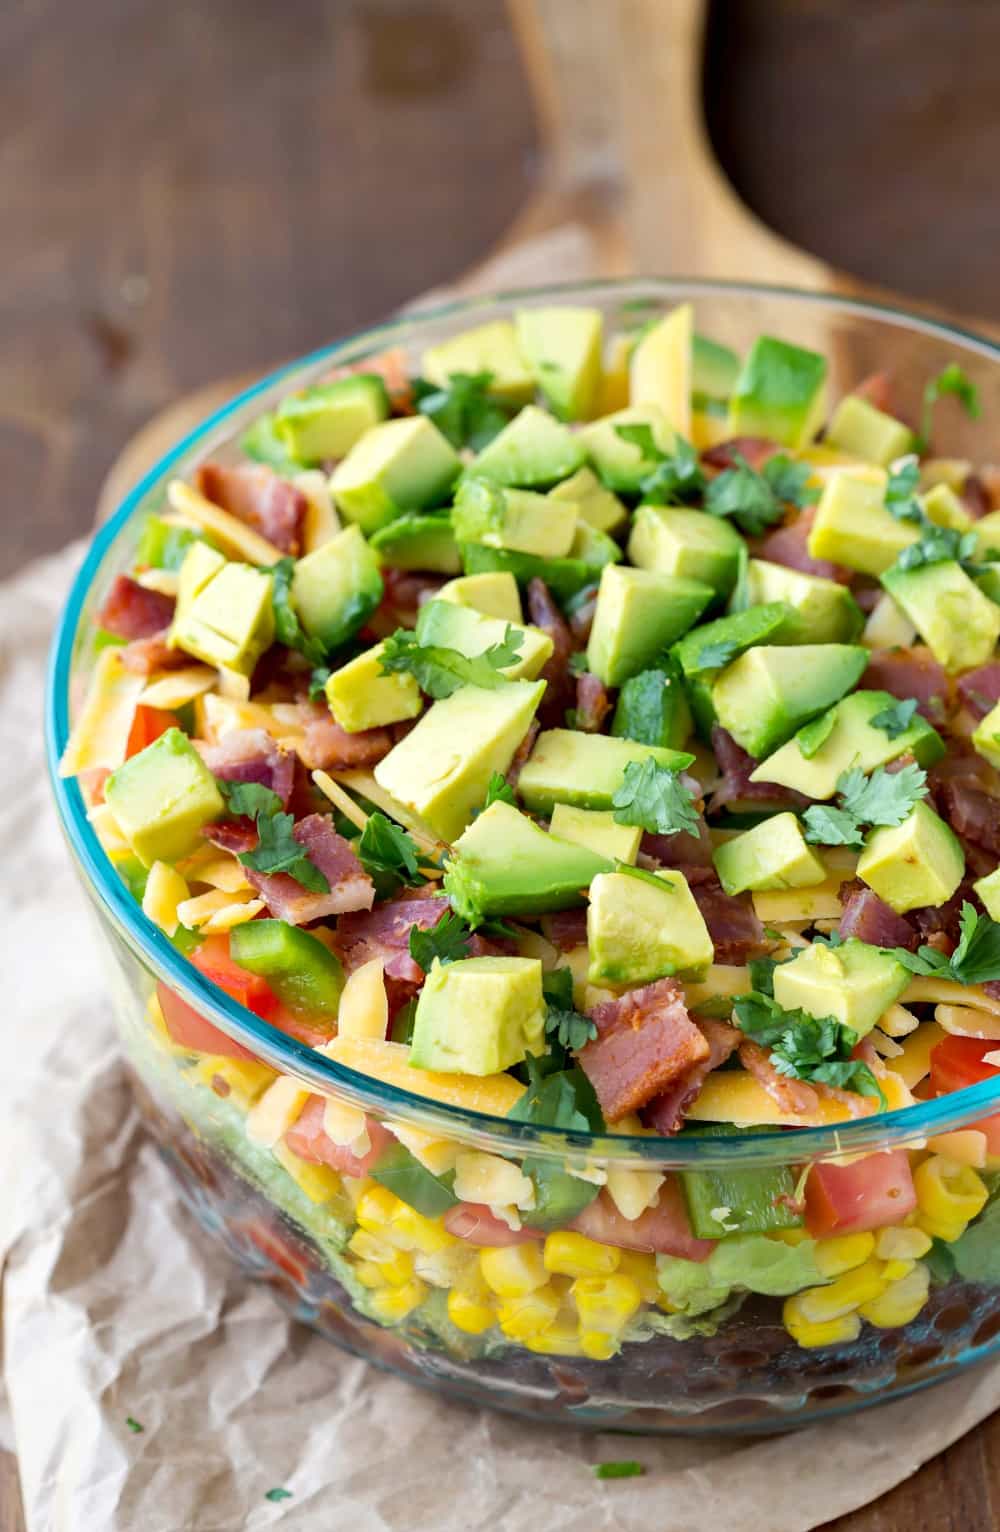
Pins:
<point x="368" y="1274"/>
<point x="843" y="1252"/>
<point x="415" y="1232"/>
<point x="574" y="1255"/>
<point x="809" y="1333"/>
<point x="245" y="1079"/>
<point x="948" y="1229"/>
<point x="530" y="1314"/>
<point x="363" y="1010"/>
<point x="642" y="1269"/>
<point x="445" y="1268"/>
<point x="513" y="1270"/>
<point x="846" y="1293"/>
<point x="319" y="1182"/>
<point x="558" y="1339"/>
<point x="606" y="1303"/>
<point x="598" y="1346"/>
<point x="398" y="1269"/>
<point x="893" y="1271"/>
<point x="468" y="1315"/>
<point x="901" y="1302"/>
<point x="394" y="1303"/>
<point x="898" y="1244"/>
<point x="369" y="1247"/>
<point x="376" y="1208"/>
<point x="947" y="1192"/>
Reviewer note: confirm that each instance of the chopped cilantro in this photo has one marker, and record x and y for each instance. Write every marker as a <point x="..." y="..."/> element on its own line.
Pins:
<point x="278" y="1494"/>
<point x="134" y="1425"/>
<point x="439" y="671"/>
<point x="498" y="790"/>
<point x="805" y="1047"/>
<point x="654" y="797"/>
<point x="287" y="628"/>
<point x="463" y="411"/>
<point x="713" y="656"/>
<point x="249" y="798"/>
<point x="277" y="850"/>
<point x="578" y="664"/>
<point x="564" y="1024"/>
<point x="755" y="501"/>
<point x="954" y="380"/>
<point x="317" y="682"/>
<point x="626" y="1469"/>
<point x="389" y="856"/>
<point x="812" y="736"/>
<point x="938" y="545"/>
<point x="829" y="826"/>
<point x="448" y="941"/>
<point x="561" y="1099"/>
<point x="884" y="798"/>
<point x="895" y="720"/>
<point x="976" y="959"/>
<point x="901" y="491"/>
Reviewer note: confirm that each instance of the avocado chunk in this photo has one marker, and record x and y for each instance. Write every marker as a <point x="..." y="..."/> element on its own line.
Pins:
<point x="942" y="506"/>
<point x="398" y="466"/>
<point x="488" y="348"/>
<point x="200" y="564"/>
<point x="479" y="1016"/>
<point x="516" y="519"/>
<point x="162" y="797"/>
<point x="660" y="369"/>
<point x="327" y="419"/>
<point x="532" y="452"/>
<point x="858" y="428"/>
<point x="720" y="641"/>
<point x="451" y="626"/>
<point x="505" y="864"/>
<point x="262" y="442"/>
<point x="822" y="612"/>
<point x="643" y="926"/>
<point x="495" y="594"/>
<point x="852" y="741"/>
<point x="852" y="526"/>
<point x="563" y="576"/>
<point x="595" y="505"/>
<point x="672" y="540"/>
<point x="714" y="370"/>
<point x="362" y="696"/>
<point x="987" y="530"/>
<point x="888" y="627"/>
<point x="762" y="698"/>
<point x="853" y="983"/>
<point x="988" y="889"/>
<point x="419" y="541"/>
<point x="229" y="621"/>
<point x="597" y="830"/>
<point x="593" y="548"/>
<point x="652" y="708"/>
<point x="440" y="771"/>
<point x="562" y="347"/>
<point x="774" y="854"/>
<point x="336" y="588"/>
<point x="958" y="623"/>
<point x="987" y="579"/>
<point x="585" y="770"/>
<point x="780" y="393"/>
<point x="986" y="737"/>
<point x="915" y="863"/>
<point x="638" y="614"/>
<point x="622" y="464"/>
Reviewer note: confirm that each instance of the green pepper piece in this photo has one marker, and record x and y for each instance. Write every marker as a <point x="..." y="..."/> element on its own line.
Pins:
<point x="722" y="1202"/>
<point x="303" y="973"/>
<point x="163" y="546"/>
<point x="559" y="1197"/>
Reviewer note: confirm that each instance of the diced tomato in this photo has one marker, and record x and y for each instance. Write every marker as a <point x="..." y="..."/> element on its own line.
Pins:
<point x="249" y="989"/>
<point x="148" y="723"/>
<point x="474" y="1222"/>
<point x="309" y="1140"/>
<point x="957" y="1062"/>
<point x="868" y="1194"/>
<point x="189" y="1029"/>
<point x="664" y="1228"/>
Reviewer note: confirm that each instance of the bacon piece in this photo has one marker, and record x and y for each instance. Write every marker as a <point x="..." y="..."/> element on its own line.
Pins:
<point x="754" y="450"/>
<point x="973" y="814"/>
<point x="645" y="1039"/>
<point x="732" y="923"/>
<point x="545" y="614"/>
<point x="788" y="545"/>
<point x="405" y="592"/>
<point x="665" y="1113"/>
<point x="680" y="850"/>
<point x="350" y="886"/>
<point x="582" y="619"/>
<point x="792" y="1096"/>
<point x="384" y="933"/>
<point x="868" y="919"/>
<point x="980" y="689"/>
<point x="235" y="835"/>
<point x="736" y="787"/>
<point x="878" y="389"/>
<point x="567" y="929"/>
<point x="390" y="366"/>
<point x="251" y="755"/>
<point x="911" y="673"/>
<point x="513" y="773"/>
<point x="664" y="1229"/>
<point x="143" y="656"/>
<point x="473" y="1222"/>
<point x="979" y="494"/>
<point x="592" y="703"/>
<point x="325" y="745"/>
<point x="130" y="611"/>
<point x="256" y="496"/>
<point x="308" y="1138"/>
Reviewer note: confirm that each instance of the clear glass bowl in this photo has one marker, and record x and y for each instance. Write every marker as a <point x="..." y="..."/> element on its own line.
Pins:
<point x="292" y="1230"/>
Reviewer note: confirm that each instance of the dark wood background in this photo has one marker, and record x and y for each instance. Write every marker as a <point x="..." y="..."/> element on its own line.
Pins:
<point x="192" y="190"/>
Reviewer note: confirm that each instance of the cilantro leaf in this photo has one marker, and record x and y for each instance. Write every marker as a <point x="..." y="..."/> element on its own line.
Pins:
<point x="640" y="435"/>
<point x="278" y="1494"/>
<point x="448" y="941"/>
<point x="884" y="798"/>
<point x="712" y="656"/>
<point x="287" y="628"/>
<point x="676" y="479"/>
<point x="564" y="1025"/>
<point x="626" y="1469"/>
<point x="134" y="1425"/>
<point x="388" y="855"/>
<point x="439" y="671"/>
<point x="578" y="664"/>
<point x="901" y="491"/>
<point x="976" y="959"/>
<point x="805" y="1047"/>
<point x="828" y="826"/>
<point x="654" y="797"/>
<point x="249" y="798"/>
<point x="895" y="720"/>
<point x="812" y="736"/>
<point x="790" y="480"/>
<point x="277" y="850"/>
<point x="561" y="1099"/>
<point x="755" y="501"/>
<point x="938" y="545"/>
<point x="954" y="380"/>
<point x="498" y="790"/>
<point x="463" y="411"/>
<point x="317" y="682"/>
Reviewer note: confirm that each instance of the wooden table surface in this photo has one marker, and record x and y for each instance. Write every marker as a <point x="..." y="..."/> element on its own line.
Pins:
<point x="192" y="191"/>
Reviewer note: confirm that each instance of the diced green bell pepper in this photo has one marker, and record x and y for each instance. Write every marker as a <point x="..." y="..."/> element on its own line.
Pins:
<point x="303" y="973"/>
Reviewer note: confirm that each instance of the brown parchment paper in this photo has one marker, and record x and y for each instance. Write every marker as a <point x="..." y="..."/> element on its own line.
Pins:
<point x="114" y="1305"/>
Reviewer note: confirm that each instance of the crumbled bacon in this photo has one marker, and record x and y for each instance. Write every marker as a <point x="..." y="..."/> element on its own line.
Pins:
<point x="645" y="1039"/>
<point x="878" y="390"/>
<point x="144" y="656"/>
<point x="973" y="814"/>
<point x="545" y="614"/>
<point x="524" y="749"/>
<point x="405" y="591"/>
<point x="131" y="611"/>
<point x="793" y="1097"/>
<point x="908" y="673"/>
<point x="665" y="1113"/>
<point x="736" y="787"/>
<point x="592" y="703"/>
<point x="582" y="620"/>
<point x="391" y="367"/>
<point x="979" y="494"/>
<point x="255" y="495"/>
<point x="235" y="835"/>
<point x="868" y="919"/>
<point x="384" y="933"/>
<point x="788" y="545"/>
<point x="350" y="886"/>
<point x="980" y="689"/>
<point x="679" y="850"/>
<point x="251" y="755"/>
<point x="736" y="932"/>
<point x="325" y="745"/>
<point x="567" y="929"/>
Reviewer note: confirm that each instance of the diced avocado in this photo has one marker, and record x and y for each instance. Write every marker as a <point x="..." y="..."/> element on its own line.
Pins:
<point x="398" y="466"/>
<point x="852" y="741"/>
<point x="199" y="565"/>
<point x="451" y="626"/>
<point x="479" y="1016"/>
<point x="854" y="983"/>
<point x="858" y="428"/>
<point x="672" y="540"/>
<point x="593" y="548"/>
<point x="597" y="506"/>
<point x="660" y="369"/>
<point x="586" y="770"/>
<point x="596" y="829"/>
<point x="532" y="452"/>
<point x="988" y="889"/>
<point x="327" y="419"/>
<point x="516" y="519"/>
<point x="915" y="863"/>
<point x="505" y="864"/>
<point x="161" y="797"/>
<point x="440" y="771"/>
<point x="987" y="530"/>
<point x="737" y="633"/>
<point x="888" y="627"/>
<point x="621" y="464"/>
<point x="774" y="854"/>
<point x="852" y="526"/>
<point x="823" y="612"/>
<point x="495" y="595"/>
<point x="987" y="577"/>
<point x="942" y="506"/>
<point x="562" y="346"/>
<point x="653" y="709"/>
<point x="762" y="698"/>
<point x="639" y="613"/>
<point x="732" y="1201"/>
<point x="563" y="576"/>
<point x="714" y="369"/>
<point x="262" y="443"/>
<point x="643" y="926"/>
<point x="230" y="621"/>
<point x="488" y="348"/>
<point x="301" y="970"/>
<point x="986" y="737"/>
<point x="419" y="541"/>
<point x="362" y="696"/>
<point x="336" y="589"/>
<point x="958" y="623"/>
<point x="780" y="393"/>
<point x="162" y="545"/>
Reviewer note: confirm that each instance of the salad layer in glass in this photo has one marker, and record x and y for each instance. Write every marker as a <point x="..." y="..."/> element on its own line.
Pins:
<point x="572" y="722"/>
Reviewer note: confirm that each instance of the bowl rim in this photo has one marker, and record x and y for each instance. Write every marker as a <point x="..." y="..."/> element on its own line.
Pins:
<point x="158" y="955"/>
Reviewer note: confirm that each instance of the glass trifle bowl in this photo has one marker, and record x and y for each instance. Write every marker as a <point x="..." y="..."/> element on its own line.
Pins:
<point x="763" y="1267"/>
